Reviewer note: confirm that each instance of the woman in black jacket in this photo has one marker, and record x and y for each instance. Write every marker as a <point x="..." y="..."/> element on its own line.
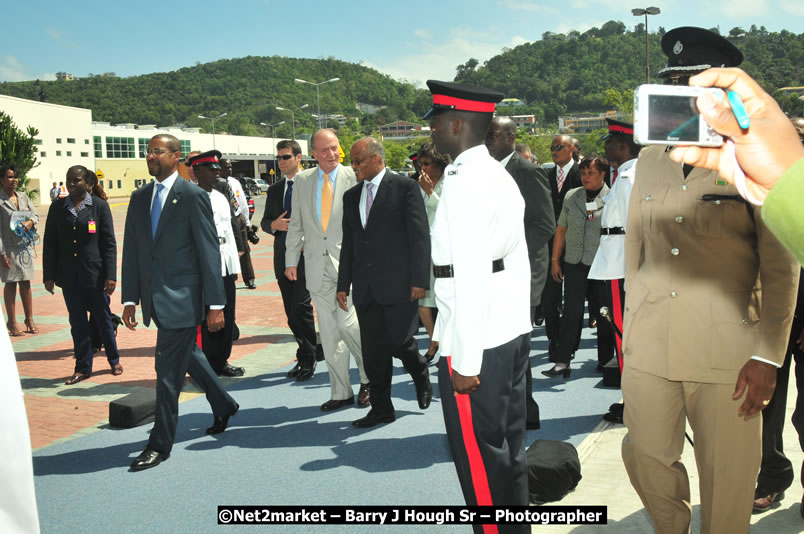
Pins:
<point x="80" y="256"/>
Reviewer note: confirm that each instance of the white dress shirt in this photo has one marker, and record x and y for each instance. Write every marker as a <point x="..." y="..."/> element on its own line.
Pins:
<point x="609" y="262"/>
<point x="478" y="309"/>
<point x="567" y="167"/>
<point x="230" y="261"/>
<point x="376" y="181"/>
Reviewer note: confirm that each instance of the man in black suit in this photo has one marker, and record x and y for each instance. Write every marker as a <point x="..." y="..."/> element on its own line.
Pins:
<point x="564" y="176"/>
<point x="540" y="223"/>
<point x="385" y="257"/>
<point x="295" y="296"/>
<point x="172" y="268"/>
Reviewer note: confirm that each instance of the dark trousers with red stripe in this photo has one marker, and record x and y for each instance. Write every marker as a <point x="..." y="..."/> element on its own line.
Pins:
<point x="611" y="294"/>
<point x="217" y="346"/>
<point x="486" y="430"/>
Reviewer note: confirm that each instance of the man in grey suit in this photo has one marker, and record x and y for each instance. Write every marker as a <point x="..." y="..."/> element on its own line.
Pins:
<point x="172" y="268"/>
<point x="316" y="226"/>
<point x="540" y="224"/>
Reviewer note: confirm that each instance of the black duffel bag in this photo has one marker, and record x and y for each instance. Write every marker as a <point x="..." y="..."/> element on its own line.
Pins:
<point x="553" y="470"/>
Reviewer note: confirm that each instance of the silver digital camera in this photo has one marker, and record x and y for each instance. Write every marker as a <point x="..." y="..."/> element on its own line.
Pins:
<point x="668" y="115"/>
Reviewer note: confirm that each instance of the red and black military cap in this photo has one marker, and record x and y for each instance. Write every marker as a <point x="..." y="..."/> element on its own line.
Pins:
<point x="618" y="128"/>
<point x="461" y="97"/>
<point x="691" y="50"/>
<point x="211" y="158"/>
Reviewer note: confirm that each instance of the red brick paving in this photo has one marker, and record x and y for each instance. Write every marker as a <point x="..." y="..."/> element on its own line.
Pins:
<point x="53" y="417"/>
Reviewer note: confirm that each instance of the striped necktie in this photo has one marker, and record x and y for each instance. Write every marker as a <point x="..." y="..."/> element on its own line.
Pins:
<point x="369" y="199"/>
<point x="560" y="178"/>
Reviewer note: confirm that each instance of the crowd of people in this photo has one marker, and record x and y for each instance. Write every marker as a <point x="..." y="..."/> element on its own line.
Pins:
<point x="691" y="254"/>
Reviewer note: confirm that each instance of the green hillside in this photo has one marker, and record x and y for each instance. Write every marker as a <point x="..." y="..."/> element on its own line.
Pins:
<point x="247" y="89"/>
<point x="569" y="73"/>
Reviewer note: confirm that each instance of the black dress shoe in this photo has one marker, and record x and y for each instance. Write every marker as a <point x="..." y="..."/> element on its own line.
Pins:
<point x="305" y="373"/>
<point x="333" y="404"/>
<point x="364" y="396"/>
<point x="149" y="458"/>
<point x="538" y="321"/>
<point x="424" y="392"/>
<point x="219" y="424"/>
<point x="231" y="370"/>
<point x="614" y="417"/>
<point x="295" y="370"/>
<point x="564" y="373"/>
<point x="251" y="285"/>
<point x="372" y="420"/>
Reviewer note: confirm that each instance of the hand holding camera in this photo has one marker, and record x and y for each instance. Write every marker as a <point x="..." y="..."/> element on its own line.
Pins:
<point x="252" y="235"/>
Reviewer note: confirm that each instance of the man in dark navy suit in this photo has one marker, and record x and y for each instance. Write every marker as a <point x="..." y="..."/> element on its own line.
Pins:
<point x="295" y="296"/>
<point x="540" y="223"/>
<point x="385" y="260"/>
<point x="172" y="268"/>
<point x="564" y="176"/>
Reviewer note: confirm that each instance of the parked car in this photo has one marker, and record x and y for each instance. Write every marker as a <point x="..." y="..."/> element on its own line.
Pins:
<point x="251" y="186"/>
<point x="262" y="184"/>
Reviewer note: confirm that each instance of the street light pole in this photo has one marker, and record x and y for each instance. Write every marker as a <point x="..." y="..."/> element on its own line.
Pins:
<point x="638" y="12"/>
<point x="273" y="136"/>
<point x="213" y="119"/>
<point x="293" y="116"/>
<point x="317" y="100"/>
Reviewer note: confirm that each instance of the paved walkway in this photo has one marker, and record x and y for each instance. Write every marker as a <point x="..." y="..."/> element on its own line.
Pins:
<point x="58" y="413"/>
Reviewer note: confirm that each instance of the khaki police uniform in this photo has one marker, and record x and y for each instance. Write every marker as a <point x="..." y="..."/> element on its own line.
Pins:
<point x="708" y="287"/>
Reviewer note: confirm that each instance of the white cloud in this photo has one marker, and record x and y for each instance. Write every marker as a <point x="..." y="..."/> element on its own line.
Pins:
<point x="12" y="70"/>
<point x="439" y="60"/>
<point x="535" y="7"/>
<point x="793" y="8"/>
<point x="61" y="38"/>
<point x="744" y="8"/>
<point x="422" y="34"/>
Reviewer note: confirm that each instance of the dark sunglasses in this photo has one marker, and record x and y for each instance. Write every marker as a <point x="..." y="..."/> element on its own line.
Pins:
<point x="285" y="156"/>
<point x="555" y="148"/>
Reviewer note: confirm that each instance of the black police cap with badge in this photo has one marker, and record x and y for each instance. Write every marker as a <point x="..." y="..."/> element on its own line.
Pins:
<point x="618" y="128"/>
<point x="691" y="50"/>
<point x="210" y="158"/>
<point x="461" y="97"/>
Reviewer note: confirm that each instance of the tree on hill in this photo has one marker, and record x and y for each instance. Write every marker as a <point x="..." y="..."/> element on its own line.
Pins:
<point x="17" y="149"/>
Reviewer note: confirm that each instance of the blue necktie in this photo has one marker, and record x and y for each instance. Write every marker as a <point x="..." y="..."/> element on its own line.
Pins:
<point x="288" y="195"/>
<point x="156" y="209"/>
<point x="286" y="206"/>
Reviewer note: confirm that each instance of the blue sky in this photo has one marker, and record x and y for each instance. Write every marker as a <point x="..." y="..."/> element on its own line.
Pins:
<point x="413" y="40"/>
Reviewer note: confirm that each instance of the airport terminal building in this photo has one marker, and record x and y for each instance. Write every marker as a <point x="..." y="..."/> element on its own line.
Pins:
<point x="68" y="136"/>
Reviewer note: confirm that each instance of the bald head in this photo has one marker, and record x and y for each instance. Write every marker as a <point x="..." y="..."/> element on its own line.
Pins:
<point x="501" y="137"/>
<point x="368" y="158"/>
<point x="561" y="149"/>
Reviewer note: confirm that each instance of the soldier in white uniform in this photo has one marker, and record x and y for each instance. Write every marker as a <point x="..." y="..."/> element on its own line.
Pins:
<point x="609" y="263"/>
<point x="217" y="346"/>
<point x="482" y="289"/>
